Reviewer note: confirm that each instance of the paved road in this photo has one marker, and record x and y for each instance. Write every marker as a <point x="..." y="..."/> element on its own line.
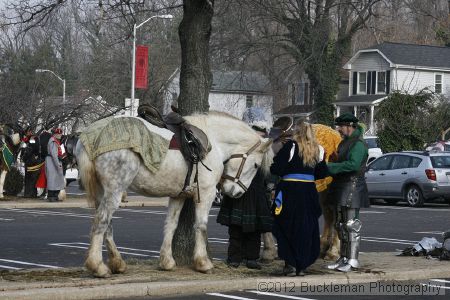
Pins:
<point x="59" y="237"/>
<point x="56" y="238"/>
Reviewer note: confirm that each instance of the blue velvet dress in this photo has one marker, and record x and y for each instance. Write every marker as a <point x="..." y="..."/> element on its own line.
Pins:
<point x="297" y="226"/>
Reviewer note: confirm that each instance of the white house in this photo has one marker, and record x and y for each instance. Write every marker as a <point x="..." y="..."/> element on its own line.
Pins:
<point x="231" y="92"/>
<point x="376" y="71"/>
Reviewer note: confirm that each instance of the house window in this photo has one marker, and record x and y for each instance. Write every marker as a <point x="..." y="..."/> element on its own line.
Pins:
<point x="362" y="76"/>
<point x="438" y="83"/>
<point x="249" y="101"/>
<point x="381" y="82"/>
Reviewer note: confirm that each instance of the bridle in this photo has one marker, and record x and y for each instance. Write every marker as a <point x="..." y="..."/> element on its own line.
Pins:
<point x="241" y="167"/>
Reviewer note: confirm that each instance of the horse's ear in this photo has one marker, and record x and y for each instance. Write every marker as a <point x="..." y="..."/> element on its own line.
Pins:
<point x="266" y="143"/>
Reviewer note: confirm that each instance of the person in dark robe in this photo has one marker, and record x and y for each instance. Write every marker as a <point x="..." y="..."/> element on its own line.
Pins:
<point x="33" y="163"/>
<point x="248" y="216"/>
<point x="296" y="206"/>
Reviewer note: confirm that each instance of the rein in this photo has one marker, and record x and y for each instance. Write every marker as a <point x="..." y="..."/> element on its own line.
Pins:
<point x="241" y="167"/>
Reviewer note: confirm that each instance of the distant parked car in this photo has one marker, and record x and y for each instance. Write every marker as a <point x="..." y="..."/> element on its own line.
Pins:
<point x="416" y="177"/>
<point x="374" y="149"/>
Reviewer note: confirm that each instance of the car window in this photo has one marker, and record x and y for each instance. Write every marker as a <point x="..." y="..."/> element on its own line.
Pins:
<point x="371" y="143"/>
<point x="400" y="162"/>
<point x="382" y="163"/>
<point x="415" y="162"/>
<point x="440" y="161"/>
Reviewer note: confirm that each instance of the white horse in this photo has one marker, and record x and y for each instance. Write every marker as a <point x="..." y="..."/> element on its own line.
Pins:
<point x="112" y="173"/>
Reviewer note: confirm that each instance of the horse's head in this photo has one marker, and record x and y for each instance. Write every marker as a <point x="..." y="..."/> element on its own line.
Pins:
<point x="240" y="168"/>
<point x="11" y="134"/>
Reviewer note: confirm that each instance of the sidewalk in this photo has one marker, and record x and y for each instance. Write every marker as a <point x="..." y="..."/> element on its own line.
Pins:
<point x="143" y="278"/>
<point x="78" y="201"/>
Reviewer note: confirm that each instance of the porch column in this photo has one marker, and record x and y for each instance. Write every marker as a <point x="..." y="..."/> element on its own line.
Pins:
<point x="338" y="111"/>
<point x="372" y="110"/>
<point x="355" y="111"/>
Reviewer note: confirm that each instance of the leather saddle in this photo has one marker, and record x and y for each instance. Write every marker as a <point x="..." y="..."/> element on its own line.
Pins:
<point x="191" y="140"/>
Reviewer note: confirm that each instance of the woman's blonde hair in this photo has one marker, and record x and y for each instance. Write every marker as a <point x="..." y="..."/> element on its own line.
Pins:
<point x="307" y="143"/>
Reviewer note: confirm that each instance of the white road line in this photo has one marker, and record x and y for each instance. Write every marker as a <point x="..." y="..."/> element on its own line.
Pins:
<point x="76" y="194"/>
<point x="387" y="239"/>
<point x="430" y="232"/>
<point x="125" y="248"/>
<point x="279" y="295"/>
<point x="372" y="212"/>
<point x="390" y="242"/>
<point x="3" y="219"/>
<point x="53" y="213"/>
<point x="440" y="280"/>
<point x="80" y="245"/>
<point x="104" y="250"/>
<point x="155" y="212"/>
<point x="437" y="209"/>
<point x="8" y="267"/>
<point x="229" y="296"/>
<point x="27" y="263"/>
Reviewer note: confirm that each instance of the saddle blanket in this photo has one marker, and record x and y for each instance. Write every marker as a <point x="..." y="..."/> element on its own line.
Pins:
<point x="122" y="132"/>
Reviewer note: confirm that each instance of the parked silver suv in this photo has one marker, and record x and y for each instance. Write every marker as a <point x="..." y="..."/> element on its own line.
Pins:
<point x="413" y="176"/>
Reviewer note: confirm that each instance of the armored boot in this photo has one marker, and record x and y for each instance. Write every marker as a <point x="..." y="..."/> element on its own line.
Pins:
<point x="342" y="260"/>
<point x="354" y="228"/>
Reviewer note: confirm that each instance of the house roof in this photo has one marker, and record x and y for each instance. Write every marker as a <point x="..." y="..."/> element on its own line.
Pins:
<point x="295" y="110"/>
<point x="396" y="54"/>
<point x="416" y="55"/>
<point x="239" y="81"/>
<point x="360" y="100"/>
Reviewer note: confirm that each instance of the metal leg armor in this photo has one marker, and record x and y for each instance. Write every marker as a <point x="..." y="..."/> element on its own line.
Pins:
<point x="343" y="236"/>
<point x="352" y="227"/>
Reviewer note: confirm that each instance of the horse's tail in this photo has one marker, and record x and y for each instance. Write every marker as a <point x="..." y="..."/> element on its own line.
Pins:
<point x="88" y="175"/>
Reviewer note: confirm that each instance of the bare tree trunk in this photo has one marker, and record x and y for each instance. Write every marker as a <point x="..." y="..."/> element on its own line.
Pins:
<point x="195" y="75"/>
<point x="195" y="82"/>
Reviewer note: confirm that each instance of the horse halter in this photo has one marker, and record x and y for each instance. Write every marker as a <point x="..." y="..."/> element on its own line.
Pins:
<point x="241" y="167"/>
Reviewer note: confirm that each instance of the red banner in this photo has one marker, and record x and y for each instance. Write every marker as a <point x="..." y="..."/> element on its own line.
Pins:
<point x="141" y="66"/>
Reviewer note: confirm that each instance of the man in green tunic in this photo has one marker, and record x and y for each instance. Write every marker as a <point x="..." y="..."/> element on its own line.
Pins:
<point x="349" y="190"/>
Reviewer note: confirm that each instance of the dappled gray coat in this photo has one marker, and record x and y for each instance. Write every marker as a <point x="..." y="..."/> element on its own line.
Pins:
<point x="53" y="167"/>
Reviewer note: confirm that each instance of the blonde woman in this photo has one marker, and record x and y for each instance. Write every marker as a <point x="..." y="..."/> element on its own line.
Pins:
<point x="296" y="207"/>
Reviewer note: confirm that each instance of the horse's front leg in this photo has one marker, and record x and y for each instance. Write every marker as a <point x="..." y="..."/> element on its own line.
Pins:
<point x="166" y="261"/>
<point x="269" y="250"/>
<point x="202" y="263"/>
<point x="2" y="181"/>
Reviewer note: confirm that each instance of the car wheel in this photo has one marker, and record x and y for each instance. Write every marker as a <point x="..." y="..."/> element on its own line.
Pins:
<point x="391" y="201"/>
<point x="414" y="197"/>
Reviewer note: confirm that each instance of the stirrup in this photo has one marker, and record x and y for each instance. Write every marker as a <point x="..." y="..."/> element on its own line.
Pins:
<point x="187" y="191"/>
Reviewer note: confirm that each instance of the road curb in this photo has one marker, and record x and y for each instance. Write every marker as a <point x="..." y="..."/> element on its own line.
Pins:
<point x="104" y="289"/>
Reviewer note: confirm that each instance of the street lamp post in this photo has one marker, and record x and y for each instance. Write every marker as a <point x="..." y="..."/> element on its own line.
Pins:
<point x="133" y="63"/>
<point x="63" y="81"/>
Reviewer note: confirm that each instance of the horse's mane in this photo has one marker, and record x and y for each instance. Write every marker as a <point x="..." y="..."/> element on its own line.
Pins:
<point x="205" y="120"/>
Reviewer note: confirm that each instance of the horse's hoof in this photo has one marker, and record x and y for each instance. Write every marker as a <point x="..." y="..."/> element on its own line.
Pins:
<point x="167" y="263"/>
<point x="331" y="256"/>
<point x="268" y="256"/>
<point x="117" y="265"/>
<point x="102" y="271"/>
<point x="203" y="265"/>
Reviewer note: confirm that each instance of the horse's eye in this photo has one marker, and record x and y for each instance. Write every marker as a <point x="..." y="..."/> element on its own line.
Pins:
<point x="256" y="166"/>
